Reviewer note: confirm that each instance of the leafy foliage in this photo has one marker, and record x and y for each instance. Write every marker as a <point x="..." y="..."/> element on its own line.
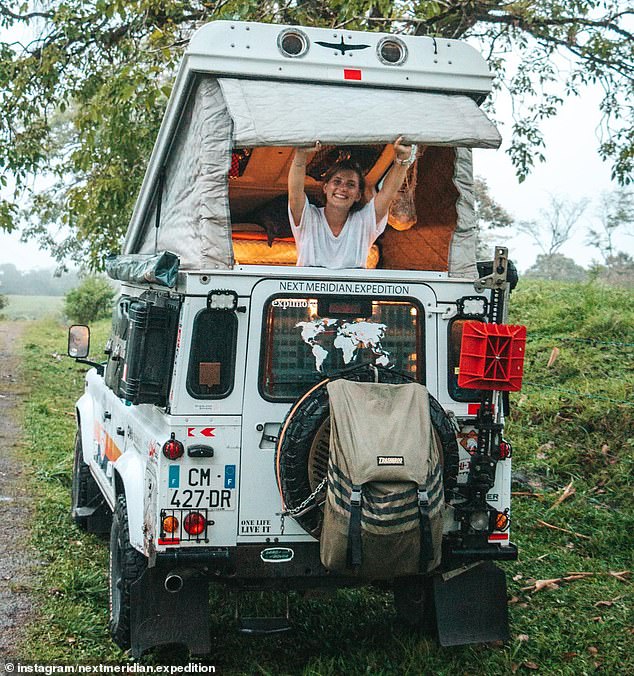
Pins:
<point x="617" y="269"/>
<point x="90" y="301"/>
<point x="490" y="215"/>
<point x="83" y="85"/>
<point x="4" y="301"/>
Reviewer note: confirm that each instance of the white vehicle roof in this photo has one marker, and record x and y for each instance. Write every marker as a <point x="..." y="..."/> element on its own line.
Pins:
<point x="253" y="50"/>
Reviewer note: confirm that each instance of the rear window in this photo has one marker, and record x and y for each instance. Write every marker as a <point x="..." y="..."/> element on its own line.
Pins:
<point x="306" y="339"/>
<point x="453" y="343"/>
<point x="212" y="357"/>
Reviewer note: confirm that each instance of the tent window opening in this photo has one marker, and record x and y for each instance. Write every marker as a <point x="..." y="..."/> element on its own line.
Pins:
<point x="306" y="339"/>
<point x="212" y="358"/>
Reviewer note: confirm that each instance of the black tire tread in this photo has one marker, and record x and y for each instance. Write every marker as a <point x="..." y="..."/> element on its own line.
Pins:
<point x="414" y="603"/>
<point x="81" y="484"/>
<point x="133" y="564"/>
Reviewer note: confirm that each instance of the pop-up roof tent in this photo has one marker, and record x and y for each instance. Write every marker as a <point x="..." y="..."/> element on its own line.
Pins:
<point x="241" y="87"/>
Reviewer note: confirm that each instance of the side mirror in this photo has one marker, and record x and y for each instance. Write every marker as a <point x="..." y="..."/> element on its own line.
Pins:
<point x="78" y="341"/>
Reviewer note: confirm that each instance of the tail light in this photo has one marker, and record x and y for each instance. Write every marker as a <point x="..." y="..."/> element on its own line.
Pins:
<point x="502" y="521"/>
<point x="170" y="524"/>
<point x="195" y="523"/>
<point x="172" y="448"/>
<point x="505" y="450"/>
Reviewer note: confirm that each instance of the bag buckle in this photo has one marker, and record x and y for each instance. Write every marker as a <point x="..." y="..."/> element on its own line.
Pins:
<point x="423" y="498"/>
<point x="355" y="497"/>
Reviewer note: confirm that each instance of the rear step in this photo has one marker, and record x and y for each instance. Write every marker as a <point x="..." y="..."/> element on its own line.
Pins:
<point x="261" y="626"/>
<point x="97" y="517"/>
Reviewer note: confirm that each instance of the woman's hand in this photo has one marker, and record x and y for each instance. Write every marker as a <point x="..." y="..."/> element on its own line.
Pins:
<point x="301" y="154"/>
<point x="402" y="151"/>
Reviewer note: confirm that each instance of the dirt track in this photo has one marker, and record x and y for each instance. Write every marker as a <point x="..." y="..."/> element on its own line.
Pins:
<point x="16" y="560"/>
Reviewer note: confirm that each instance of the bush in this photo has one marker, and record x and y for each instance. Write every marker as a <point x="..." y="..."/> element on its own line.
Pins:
<point x="90" y="301"/>
<point x="4" y="301"/>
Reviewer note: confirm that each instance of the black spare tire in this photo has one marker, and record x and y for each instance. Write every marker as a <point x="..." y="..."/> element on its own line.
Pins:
<point x="303" y="447"/>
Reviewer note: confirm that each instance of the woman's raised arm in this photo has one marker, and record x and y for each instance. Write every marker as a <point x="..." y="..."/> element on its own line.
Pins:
<point x="296" y="177"/>
<point x="404" y="157"/>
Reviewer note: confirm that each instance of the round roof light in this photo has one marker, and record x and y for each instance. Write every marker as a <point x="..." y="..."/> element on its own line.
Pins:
<point x="293" y="43"/>
<point x="391" y="51"/>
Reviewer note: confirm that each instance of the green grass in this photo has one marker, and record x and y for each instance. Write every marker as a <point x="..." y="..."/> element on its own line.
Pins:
<point x="577" y="628"/>
<point x="32" y="307"/>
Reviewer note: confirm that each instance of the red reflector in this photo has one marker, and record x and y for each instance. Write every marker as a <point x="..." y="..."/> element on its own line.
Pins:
<point x="499" y="536"/>
<point x="351" y="74"/>
<point x="169" y="541"/>
<point x="473" y="409"/>
<point x="492" y="356"/>
<point x="195" y="523"/>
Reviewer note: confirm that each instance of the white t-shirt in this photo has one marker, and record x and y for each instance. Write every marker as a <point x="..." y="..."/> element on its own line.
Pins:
<point x="318" y="247"/>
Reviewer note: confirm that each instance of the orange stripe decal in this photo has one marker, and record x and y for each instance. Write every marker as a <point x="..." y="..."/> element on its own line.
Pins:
<point x="112" y="450"/>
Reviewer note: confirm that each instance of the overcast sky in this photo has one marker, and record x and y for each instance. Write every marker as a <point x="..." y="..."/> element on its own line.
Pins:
<point x="573" y="170"/>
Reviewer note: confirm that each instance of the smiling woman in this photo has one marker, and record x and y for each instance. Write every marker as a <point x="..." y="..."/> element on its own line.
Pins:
<point x="340" y="234"/>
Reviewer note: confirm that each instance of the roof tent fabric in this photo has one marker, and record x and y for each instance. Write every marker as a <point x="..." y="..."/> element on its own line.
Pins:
<point x="290" y="113"/>
<point x="194" y="221"/>
<point x="464" y="243"/>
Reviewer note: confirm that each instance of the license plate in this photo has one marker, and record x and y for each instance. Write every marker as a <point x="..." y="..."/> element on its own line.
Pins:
<point x="209" y="498"/>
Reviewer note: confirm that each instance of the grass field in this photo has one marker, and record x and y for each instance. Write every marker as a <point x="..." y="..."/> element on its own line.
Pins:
<point x="572" y="426"/>
<point x="33" y="307"/>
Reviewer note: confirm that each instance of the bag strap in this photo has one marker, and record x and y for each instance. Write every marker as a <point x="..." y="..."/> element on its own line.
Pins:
<point x="426" y="544"/>
<point x="355" y="554"/>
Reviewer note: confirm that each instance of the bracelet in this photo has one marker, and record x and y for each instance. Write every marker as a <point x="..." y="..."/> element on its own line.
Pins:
<point x="410" y="160"/>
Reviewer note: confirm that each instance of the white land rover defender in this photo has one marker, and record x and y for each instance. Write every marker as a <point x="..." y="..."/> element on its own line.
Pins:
<point x="203" y="441"/>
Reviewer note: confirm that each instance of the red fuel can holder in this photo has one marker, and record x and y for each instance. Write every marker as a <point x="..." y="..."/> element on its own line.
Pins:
<point x="492" y="356"/>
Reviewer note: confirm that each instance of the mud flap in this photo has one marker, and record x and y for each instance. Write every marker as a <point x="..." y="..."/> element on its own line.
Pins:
<point x="471" y="607"/>
<point x="158" y="617"/>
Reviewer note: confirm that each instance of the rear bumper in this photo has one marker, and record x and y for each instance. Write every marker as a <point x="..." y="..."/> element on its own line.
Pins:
<point x="484" y="552"/>
<point x="249" y="566"/>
